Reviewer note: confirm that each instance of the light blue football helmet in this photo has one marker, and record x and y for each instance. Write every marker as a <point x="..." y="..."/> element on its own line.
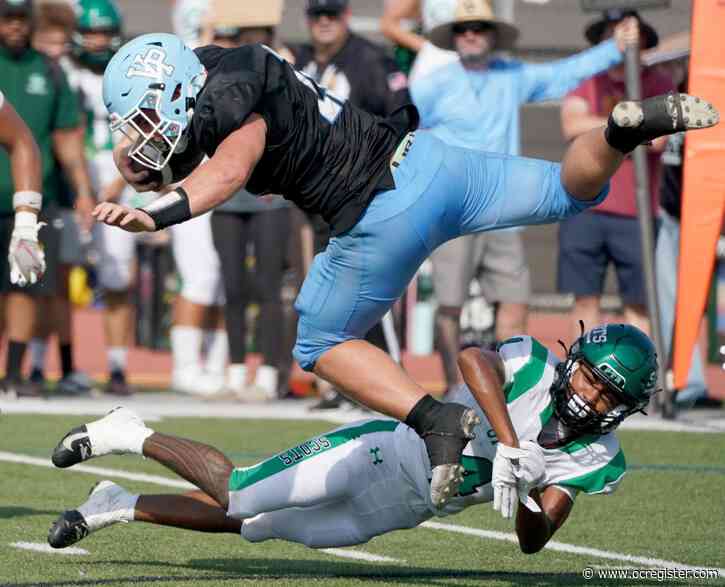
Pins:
<point x="150" y="88"/>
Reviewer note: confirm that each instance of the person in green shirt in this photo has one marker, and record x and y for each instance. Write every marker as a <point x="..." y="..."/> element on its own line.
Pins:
<point x="26" y="259"/>
<point x="43" y="99"/>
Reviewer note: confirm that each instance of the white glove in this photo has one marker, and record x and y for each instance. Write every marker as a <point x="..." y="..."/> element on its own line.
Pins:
<point x="515" y="472"/>
<point x="26" y="256"/>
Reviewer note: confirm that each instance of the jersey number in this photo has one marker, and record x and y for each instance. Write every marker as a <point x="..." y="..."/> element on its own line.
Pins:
<point x="328" y="104"/>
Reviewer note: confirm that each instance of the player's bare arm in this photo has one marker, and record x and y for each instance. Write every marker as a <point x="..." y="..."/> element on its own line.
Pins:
<point x="229" y="169"/>
<point x="483" y="372"/>
<point x="533" y="529"/>
<point x="516" y="467"/>
<point x="24" y="154"/>
<point x="209" y="185"/>
<point x="25" y="256"/>
<point x="391" y="23"/>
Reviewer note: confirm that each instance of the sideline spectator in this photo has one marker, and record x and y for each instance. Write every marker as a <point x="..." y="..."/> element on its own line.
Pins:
<point x="98" y="36"/>
<point x="53" y="28"/>
<point x="610" y="231"/>
<point x="474" y="102"/>
<point x="40" y="91"/>
<point x="265" y="224"/>
<point x="198" y="320"/>
<point x="667" y="252"/>
<point x="355" y="69"/>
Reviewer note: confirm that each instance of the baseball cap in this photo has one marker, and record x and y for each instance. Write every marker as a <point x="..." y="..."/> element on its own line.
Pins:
<point x="595" y="31"/>
<point x="16" y="7"/>
<point x="320" y="6"/>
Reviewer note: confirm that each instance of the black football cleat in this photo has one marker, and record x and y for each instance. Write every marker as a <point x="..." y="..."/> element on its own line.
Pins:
<point x="107" y="504"/>
<point x="634" y="123"/>
<point x="74" y="447"/>
<point x="69" y="528"/>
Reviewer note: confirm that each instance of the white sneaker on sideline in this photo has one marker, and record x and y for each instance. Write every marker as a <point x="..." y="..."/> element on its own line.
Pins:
<point x="196" y="382"/>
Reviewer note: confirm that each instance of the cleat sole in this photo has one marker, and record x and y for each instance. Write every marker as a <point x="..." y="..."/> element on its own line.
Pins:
<point x="687" y="113"/>
<point x="445" y="483"/>
<point x="469" y="421"/>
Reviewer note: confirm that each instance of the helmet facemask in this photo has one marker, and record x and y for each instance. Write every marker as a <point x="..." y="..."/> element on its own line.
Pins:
<point x="621" y="357"/>
<point x="156" y="137"/>
<point x="576" y="412"/>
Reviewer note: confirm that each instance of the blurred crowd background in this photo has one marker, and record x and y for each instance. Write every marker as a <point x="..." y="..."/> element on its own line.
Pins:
<point x="207" y="308"/>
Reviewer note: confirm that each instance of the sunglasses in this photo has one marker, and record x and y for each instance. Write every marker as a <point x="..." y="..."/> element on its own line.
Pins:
<point x="318" y="14"/>
<point x="479" y="28"/>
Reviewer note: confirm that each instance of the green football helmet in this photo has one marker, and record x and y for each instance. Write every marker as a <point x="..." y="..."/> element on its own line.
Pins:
<point x="96" y="16"/>
<point x="620" y="355"/>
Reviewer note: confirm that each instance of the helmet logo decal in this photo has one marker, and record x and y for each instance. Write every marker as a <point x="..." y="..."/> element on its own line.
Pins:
<point x="152" y="65"/>
<point x="614" y="376"/>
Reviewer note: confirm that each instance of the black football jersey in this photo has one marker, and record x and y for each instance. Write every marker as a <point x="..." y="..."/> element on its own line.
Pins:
<point x="323" y="154"/>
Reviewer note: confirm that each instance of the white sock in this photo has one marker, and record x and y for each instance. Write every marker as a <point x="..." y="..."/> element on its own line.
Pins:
<point x="38" y="349"/>
<point x="128" y="513"/>
<point x="237" y="377"/>
<point x="117" y="358"/>
<point x="122" y="508"/>
<point x="109" y="436"/>
<point x="217" y="353"/>
<point x="186" y="344"/>
<point x="267" y="378"/>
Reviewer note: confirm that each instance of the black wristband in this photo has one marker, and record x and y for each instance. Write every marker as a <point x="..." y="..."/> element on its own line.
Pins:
<point x="173" y="208"/>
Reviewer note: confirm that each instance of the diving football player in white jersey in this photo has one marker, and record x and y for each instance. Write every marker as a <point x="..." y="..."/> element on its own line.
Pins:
<point x="546" y="435"/>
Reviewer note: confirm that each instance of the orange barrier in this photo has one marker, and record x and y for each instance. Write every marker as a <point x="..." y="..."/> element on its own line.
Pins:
<point x="703" y="200"/>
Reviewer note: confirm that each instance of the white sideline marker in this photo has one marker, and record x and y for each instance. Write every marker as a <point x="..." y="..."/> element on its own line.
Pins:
<point x="46" y="548"/>
<point x="486" y="534"/>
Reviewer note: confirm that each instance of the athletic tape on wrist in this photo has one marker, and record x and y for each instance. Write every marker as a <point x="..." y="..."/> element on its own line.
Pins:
<point x="28" y="198"/>
<point x="173" y="208"/>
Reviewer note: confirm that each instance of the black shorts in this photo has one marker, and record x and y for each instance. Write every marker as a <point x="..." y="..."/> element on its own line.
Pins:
<point x="49" y="236"/>
<point x="588" y="242"/>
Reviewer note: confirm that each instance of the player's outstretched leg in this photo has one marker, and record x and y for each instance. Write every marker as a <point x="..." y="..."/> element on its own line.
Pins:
<point x="594" y="157"/>
<point x="633" y="123"/>
<point x="120" y="431"/>
<point x="109" y="504"/>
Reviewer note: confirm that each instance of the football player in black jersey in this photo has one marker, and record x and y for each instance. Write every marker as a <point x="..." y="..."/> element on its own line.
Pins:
<point x="390" y="193"/>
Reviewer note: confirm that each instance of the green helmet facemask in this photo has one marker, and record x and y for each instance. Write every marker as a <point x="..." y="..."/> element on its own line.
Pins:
<point x="96" y="16"/>
<point x="621" y="356"/>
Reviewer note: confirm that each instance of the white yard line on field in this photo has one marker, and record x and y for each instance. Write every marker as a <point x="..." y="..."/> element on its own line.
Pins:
<point x="38" y="547"/>
<point x="360" y="555"/>
<point x="568" y="548"/>
<point x="485" y="534"/>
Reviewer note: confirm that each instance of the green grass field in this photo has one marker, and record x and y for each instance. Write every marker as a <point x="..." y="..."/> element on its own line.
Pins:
<point x="671" y="506"/>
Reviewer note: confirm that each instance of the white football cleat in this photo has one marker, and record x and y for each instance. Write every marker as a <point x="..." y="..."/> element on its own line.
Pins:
<point x="121" y="431"/>
<point x="107" y="504"/>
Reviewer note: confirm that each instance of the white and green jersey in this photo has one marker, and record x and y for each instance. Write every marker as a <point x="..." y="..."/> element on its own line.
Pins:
<point x="591" y="464"/>
<point x="371" y="477"/>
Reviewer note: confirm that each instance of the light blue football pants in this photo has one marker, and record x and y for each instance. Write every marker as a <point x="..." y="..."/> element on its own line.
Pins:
<point x="442" y="192"/>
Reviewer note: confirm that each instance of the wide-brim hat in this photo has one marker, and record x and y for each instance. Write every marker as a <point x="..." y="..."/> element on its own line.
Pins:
<point x="441" y="32"/>
<point x="595" y="30"/>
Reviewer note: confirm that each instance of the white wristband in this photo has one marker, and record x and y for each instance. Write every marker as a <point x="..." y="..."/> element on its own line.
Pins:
<point x="28" y="198"/>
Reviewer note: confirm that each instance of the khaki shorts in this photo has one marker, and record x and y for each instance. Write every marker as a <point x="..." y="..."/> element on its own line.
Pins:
<point x="496" y="257"/>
